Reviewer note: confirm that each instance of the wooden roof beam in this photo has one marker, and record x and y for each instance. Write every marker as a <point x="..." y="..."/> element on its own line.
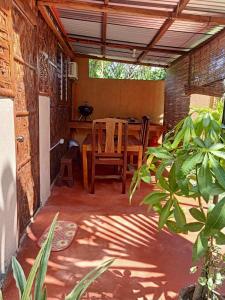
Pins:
<point x="124" y="46"/>
<point x="166" y="25"/>
<point x="135" y="11"/>
<point x="57" y="33"/>
<point x="104" y="28"/>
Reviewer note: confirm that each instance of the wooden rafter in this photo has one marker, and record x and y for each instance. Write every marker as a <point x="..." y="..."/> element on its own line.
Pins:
<point x="104" y="28"/>
<point x="57" y="33"/>
<point x="119" y="9"/>
<point x="122" y="61"/>
<point x="124" y="46"/>
<point x="163" y="29"/>
<point x="57" y="18"/>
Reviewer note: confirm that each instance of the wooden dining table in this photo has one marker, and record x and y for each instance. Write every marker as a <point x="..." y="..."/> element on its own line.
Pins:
<point x="133" y="146"/>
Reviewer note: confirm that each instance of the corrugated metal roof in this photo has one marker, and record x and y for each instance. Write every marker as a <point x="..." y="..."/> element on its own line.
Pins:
<point x="214" y="7"/>
<point x="167" y="5"/>
<point x="179" y="39"/>
<point x="87" y="50"/>
<point x="82" y="28"/>
<point x="131" y="30"/>
<point x="128" y="34"/>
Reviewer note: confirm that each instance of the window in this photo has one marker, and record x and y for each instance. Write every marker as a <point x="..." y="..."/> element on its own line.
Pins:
<point x="117" y="70"/>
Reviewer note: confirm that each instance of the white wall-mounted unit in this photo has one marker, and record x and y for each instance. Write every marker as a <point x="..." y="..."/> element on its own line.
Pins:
<point x="73" y="70"/>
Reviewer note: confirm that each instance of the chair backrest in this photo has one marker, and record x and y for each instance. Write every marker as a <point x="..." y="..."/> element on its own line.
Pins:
<point x="144" y="133"/>
<point x="109" y="136"/>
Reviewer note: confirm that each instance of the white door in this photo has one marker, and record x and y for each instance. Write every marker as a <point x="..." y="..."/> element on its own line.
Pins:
<point x="8" y="194"/>
<point x="44" y="146"/>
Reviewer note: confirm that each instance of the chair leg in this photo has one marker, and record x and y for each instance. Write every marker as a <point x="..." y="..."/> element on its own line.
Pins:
<point x="132" y="159"/>
<point x="93" y="179"/>
<point x="124" y="175"/>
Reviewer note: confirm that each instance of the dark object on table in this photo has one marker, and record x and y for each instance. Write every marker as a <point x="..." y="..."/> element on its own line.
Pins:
<point x="85" y="111"/>
<point x="73" y="143"/>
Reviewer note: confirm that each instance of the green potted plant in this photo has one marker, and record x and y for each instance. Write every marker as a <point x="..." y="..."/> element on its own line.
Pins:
<point x="191" y="163"/>
<point x="33" y="286"/>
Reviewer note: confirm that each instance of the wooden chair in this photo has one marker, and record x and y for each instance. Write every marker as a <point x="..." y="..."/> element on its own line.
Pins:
<point x="109" y="147"/>
<point x="143" y="136"/>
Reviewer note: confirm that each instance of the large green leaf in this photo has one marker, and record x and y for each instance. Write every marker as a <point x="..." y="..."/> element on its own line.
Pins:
<point x="219" y="154"/>
<point x="82" y="286"/>
<point x="197" y="214"/>
<point x="218" y="171"/>
<point x="206" y="121"/>
<point x="205" y="179"/>
<point x="164" y="184"/>
<point x="165" y="213"/>
<point x="178" y="138"/>
<point x="216" y="147"/>
<point x="187" y="136"/>
<point x="216" y="218"/>
<point x="199" y="142"/>
<point x="38" y="294"/>
<point x="161" y="168"/>
<point x="200" y="246"/>
<point x="190" y="163"/>
<point x="172" y="226"/>
<point x="154" y="198"/>
<point x="160" y="152"/>
<point x="179" y="214"/>
<point x="194" y="226"/>
<point x="172" y="179"/>
<point x="220" y="238"/>
<point x="19" y="276"/>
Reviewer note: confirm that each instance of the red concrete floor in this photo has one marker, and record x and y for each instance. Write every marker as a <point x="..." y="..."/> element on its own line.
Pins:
<point x="150" y="264"/>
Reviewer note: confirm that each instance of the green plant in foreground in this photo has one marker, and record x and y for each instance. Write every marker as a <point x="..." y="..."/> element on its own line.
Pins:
<point x="38" y="271"/>
<point x="191" y="163"/>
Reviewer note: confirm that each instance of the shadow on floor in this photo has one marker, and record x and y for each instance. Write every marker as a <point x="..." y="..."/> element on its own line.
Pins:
<point x="150" y="264"/>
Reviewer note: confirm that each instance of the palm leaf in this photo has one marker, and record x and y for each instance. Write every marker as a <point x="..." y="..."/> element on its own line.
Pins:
<point x="36" y="265"/>
<point x="19" y="276"/>
<point x="44" y="262"/>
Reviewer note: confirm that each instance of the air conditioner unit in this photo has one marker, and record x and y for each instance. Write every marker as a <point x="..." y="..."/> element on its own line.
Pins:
<point x="73" y="70"/>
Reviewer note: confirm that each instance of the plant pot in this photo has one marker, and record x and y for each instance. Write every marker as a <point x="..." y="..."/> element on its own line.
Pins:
<point x="187" y="294"/>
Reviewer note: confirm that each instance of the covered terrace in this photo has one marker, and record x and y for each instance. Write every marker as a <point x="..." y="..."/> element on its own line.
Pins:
<point x="45" y="52"/>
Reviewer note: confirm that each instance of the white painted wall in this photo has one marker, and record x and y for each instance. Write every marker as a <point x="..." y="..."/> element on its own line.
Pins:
<point x="44" y="146"/>
<point x="8" y="200"/>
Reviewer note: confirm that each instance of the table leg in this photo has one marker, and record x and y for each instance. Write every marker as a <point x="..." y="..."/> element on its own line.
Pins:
<point x="140" y="155"/>
<point x="85" y="167"/>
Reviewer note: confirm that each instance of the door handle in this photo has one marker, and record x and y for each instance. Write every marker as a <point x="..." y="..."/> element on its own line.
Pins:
<point x="20" y="139"/>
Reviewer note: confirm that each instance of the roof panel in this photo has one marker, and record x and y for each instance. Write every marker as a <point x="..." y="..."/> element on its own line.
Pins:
<point x="193" y="27"/>
<point x="167" y="5"/>
<point x="130" y="34"/>
<point x="212" y="7"/>
<point x="82" y="28"/>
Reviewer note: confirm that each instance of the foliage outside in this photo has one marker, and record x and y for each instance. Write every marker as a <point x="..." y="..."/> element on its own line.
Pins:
<point x="191" y="163"/>
<point x="38" y="272"/>
<point x="116" y="70"/>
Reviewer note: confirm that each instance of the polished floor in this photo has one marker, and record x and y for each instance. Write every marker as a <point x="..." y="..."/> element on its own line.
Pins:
<point x="150" y="264"/>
